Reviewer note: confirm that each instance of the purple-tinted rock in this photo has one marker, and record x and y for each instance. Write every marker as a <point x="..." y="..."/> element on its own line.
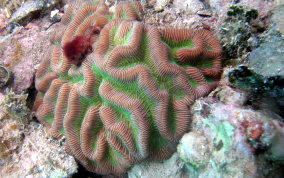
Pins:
<point x="21" y="52"/>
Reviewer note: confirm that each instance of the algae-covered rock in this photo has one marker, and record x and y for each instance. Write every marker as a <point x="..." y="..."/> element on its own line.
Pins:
<point x="264" y="92"/>
<point x="228" y="139"/>
<point x="237" y="30"/>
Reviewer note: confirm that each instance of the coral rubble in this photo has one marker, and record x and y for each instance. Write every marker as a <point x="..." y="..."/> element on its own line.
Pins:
<point x="121" y="92"/>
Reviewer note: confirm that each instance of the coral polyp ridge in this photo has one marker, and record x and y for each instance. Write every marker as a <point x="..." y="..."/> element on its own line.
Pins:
<point x="121" y="92"/>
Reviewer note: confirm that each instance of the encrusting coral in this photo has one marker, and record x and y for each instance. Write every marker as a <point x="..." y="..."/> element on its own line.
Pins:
<point x="120" y="90"/>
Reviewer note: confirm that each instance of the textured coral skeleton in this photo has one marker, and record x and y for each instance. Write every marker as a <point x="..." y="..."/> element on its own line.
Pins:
<point x="124" y="95"/>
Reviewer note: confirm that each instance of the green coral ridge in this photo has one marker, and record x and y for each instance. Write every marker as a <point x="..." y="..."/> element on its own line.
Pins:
<point x="129" y="99"/>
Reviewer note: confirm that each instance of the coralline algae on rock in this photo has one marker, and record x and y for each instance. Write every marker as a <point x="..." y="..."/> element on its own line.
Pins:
<point x="120" y="90"/>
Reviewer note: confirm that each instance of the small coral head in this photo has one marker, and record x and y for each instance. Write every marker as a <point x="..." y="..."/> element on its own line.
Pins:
<point x="76" y="50"/>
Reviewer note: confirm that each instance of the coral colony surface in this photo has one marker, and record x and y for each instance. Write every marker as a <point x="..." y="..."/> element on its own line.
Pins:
<point x="120" y="90"/>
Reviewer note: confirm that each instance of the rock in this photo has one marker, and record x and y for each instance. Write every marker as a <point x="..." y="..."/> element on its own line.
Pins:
<point x="276" y="151"/>
<point x="277" y="19"/>
<point x="171" y="168"/>
<point x="160" y="4"/>
<point x="173" y="17"/>
<point x="194" y="149"/>
<point x="11" y="135"/>
<point x="3" y="22"/>
<point x="9" y="6"/>
<point x="32" y="9"/>
<point x="264" y="8"/>
<point x="179" y="14"/>
<point x="204" y="12"/>
<point x="15" y="105"/>
<point x="265" y="93"/>
<point x="2" y="97"/>
<point x="21" y="53"/>
<point x="220" y="7"/>
<point x="39" y="156"/>
<point x="149" y="3"/>
<point x="191" y="6"/>
<point x="236" y="31"/>
<point x="237" y="98"/>
<point x="25" y="148"/>
<point x="230" y="140"/>
<point x="268" y="58"/>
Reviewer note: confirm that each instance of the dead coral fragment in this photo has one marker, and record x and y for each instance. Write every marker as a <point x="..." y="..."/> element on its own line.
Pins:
<point x="129" y="99"/>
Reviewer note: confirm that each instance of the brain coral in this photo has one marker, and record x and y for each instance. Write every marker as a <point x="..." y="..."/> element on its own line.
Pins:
<point x="120" y="90"/>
